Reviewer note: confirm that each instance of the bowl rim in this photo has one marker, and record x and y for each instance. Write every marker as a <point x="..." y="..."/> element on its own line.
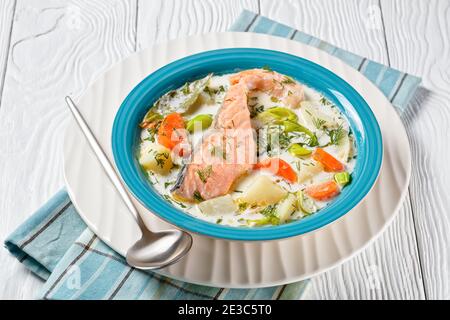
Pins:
<point x="151" y="199"/>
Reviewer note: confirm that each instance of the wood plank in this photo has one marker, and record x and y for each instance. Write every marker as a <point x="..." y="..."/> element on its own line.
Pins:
<point x="162" y="20"/>
<point x="388" y="268"/>
<point x="57" y="48"/>
<point x="418" y="34"/>
<point x="6" y="19"/>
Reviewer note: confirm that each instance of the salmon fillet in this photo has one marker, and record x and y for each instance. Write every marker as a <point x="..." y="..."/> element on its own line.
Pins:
<point x="225" y="154"/>
<point x="229" y="150"/>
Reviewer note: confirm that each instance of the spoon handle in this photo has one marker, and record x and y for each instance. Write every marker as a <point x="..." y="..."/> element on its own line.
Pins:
<point x="101" y="156"/>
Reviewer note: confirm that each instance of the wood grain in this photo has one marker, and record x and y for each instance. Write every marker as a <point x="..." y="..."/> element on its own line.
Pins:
<point x="57" y="48"/>
<point x="418" y="34"/>
<point x="53" y="48"/>
<point x="389" y="268"/>
<point x="162" y="20"/>
<point x="6" y="21"/>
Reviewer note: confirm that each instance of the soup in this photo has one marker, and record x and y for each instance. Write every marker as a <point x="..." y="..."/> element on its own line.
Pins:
<point x="251" y="148"/>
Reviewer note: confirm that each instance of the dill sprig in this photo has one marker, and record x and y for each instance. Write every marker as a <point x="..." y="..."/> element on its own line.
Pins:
<point x="318" y="123"/>
<point x="161" y="158"/>
<point x="198" y="196"/>
<point x="336" y="135"/>
<point x="204" y="174"/>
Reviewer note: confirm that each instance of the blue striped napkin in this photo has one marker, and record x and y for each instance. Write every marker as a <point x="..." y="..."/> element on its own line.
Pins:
<point x="55" y="244"/>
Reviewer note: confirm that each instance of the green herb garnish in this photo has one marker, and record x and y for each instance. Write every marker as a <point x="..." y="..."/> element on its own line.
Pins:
<point x="243" y="206"/>
<point x="318" y="123"/>
<point x="204" y="174"/>
<point x="168" y="183"/>
<point x="198" y="196"/>
<point x="336" y="135"/>
<point x="161" y="158"/>
<point x="287" y="80"/>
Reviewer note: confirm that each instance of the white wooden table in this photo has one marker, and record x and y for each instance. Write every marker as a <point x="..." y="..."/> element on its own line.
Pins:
<point x="52" y="48"/>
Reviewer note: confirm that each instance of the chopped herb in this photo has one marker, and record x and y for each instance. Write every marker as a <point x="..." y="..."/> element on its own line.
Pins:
<point x="274" y="99"/>
<point x="287" y="80"/>
<point x="269" y="210"/>
<point x="204" y="174"/>
<point x="218" y="221"/>
<point x="186" y="89"/>
<point x="336" y="135"/>
<point x="276" y="140"/>
<point x="238" y="191"/>
<point x="324" y="101"/>
<point x="198" y="196"/>
<point x="168" y="183"/>
<point x="219" y="151"/>
<point x="267" y="68"/>
<point x="298" y="165"/>
<point x="255" y="111"/>
<point x="170" y="199"/>
<point x="161" y="158"/>
<point x="318" y="123"/>
<point x="243" y="206"/>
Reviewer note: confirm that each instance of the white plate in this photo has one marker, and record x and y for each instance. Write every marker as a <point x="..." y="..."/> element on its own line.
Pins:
<point x="218" y="262"/>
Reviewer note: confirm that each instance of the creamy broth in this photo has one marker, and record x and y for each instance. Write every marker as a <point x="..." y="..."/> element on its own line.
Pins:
<point x="315" y="113"/>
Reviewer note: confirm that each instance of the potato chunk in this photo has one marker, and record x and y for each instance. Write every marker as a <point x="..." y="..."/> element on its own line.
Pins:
<point x="308" y="169"/>
<point x="155" y="157"/>
<point x="263" y="191"/>
<point x="286" y="208"/>
<point x="218" y="206"/>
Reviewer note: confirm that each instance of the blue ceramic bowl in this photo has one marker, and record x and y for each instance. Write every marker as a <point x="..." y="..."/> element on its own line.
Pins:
<point x="367" y="134"/>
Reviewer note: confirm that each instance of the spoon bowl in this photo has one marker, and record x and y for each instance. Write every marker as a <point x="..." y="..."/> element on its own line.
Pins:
<point x="159" y="249"/>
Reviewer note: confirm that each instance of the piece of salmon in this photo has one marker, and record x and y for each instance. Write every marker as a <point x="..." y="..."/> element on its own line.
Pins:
<point x="225" y="154"/>
<point x="288" y="91"/>
<point x="229" y="150"/>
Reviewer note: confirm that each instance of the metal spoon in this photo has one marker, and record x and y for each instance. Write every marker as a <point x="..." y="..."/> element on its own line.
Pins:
<point x="155" y="249"/>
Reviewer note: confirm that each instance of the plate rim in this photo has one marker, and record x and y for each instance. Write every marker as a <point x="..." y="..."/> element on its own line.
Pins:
<point x="386" y="222"/>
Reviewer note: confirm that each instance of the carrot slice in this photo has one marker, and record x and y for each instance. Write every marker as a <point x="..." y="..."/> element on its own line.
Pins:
<point x="278" y="167"/>
<point x="323" y="191"/>
<point x="171" y="131"/>
<point x="330" y="163"/>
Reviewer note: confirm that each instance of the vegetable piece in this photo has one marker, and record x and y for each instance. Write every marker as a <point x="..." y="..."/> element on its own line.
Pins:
<point x="286" y="208"/>
<point x="313" y="117"/>
<point x="342" y="178"/>
<point x="181" y="100"/>
<point x="278" y="167"/>
<point x="151" y="119"/>
<point x="170" y="132"/>
<point x="218" y="206"/>
<point x="155" y="157"/>
<point x="344" y="148"/>
<point x="308" y="169"/>
<point x="298" y="151"/>
<point x="336" y="135"/>
<point x="263" y="191"/>
<point x="323" y="191"/>
<point x="270" y="217"/>
<point x="203" y="121"/>
<point x="276" y="115"/>
<point x="305" y="203"/>
<point x="330" y="163"/>
<point x="290" y="126"/>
